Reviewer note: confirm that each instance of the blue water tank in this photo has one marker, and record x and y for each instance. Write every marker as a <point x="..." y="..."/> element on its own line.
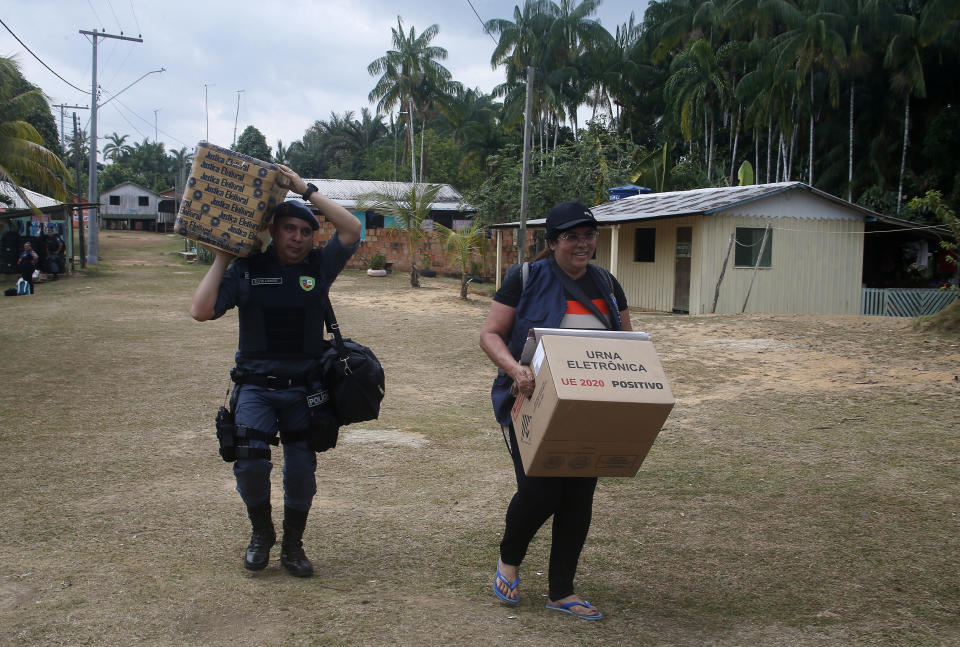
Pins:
<point x="627" y="190"/>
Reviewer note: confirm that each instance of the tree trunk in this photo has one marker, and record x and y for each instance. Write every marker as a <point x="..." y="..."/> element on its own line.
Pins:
<point x="756" y="155"/>
<point x="780" y="157"/>
<point x="736" y="139"/>
<point x="414" y="274"/>
<point x="413" y="162"/>
<point x="710" y="154"/>
<point x="853" y="86"/>
<point x="810" y="169"/>
<point x="423" y="140"/>
<point x="769" y="139"/>
<point x="463" y="286"/>
<point x="903" y="158"/>
<point x="706" y="143"/>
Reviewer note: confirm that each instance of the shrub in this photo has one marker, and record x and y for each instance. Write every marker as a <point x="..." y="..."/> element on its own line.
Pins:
<point x="378" y="262"/>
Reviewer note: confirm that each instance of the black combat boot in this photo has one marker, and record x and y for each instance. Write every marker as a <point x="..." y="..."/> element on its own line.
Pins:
<point x="291" y="547"/>
<point x="262" y="538"/>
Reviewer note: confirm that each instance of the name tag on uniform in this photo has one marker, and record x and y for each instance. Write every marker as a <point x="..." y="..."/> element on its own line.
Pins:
<point x="267" y="281"/>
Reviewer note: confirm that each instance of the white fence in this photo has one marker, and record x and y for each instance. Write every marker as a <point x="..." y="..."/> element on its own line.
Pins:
<point x="896" y="302"/>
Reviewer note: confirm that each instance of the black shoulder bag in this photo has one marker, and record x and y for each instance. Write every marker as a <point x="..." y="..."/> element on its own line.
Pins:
<point x="352" y="374"/>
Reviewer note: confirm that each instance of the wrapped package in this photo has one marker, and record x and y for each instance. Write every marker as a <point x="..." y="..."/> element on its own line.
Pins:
<point x="229" y="200"/>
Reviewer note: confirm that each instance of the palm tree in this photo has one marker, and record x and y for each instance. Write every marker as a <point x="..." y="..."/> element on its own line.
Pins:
<point x="572" y="35"/>
<point x="906" y="80"/>
<point x="181" y="158"/>
<point x="281" y="155"/>
<point x="116" y="148"/>
<point x="860" y="33"/>
<point x="403" y="69"/>
<point x="696" y="88"/>
<point x="814" y="42"/>
<point x="522" y="43"/>
<point x="408" y="208"/>
<point x="345" y="138"/>
<point x="473" y="118"/>
<point x="461" y="245"/>
<point x="82" y="143"/>
<point x="24" y="160"/>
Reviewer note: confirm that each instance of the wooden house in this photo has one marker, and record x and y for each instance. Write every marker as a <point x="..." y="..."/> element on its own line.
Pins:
<point x="129" y="206"/>
<point x="783" y="247"/>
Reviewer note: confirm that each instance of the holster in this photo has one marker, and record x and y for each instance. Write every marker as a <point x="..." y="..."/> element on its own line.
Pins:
<point x="226" y="434"/>
<point x="324" y="428"/>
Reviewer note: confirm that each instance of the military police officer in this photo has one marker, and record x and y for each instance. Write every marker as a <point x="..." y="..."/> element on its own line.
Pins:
<point x="278" y="296"/>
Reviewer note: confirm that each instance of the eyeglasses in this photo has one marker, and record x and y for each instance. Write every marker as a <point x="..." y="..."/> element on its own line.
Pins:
<point x="570" y="237"/>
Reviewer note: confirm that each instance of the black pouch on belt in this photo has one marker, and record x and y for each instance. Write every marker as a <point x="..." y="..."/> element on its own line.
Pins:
<point x="324" y="428"/>
<point x="226" y="434"/>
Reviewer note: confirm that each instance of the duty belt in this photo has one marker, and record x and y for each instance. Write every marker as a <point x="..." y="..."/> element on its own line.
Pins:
<point x="270" y="382"/>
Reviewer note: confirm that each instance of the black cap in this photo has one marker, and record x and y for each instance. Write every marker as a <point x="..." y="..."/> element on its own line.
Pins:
<point x="294" y="209"/>
<point x="568" y="215"/>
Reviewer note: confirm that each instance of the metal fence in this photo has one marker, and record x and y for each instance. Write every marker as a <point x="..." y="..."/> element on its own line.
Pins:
<point x="905" y="303"/>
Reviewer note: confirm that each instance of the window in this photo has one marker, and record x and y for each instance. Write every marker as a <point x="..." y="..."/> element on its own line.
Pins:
<point x="644" y="245"/>
<point x="143" y="201"/>
<point x="114" y="201"/>
<point x="749" y="240"/>
<point x="374" y="220"/>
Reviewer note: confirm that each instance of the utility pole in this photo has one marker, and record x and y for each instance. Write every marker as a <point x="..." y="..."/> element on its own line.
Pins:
<point x="62" y="106"/>
<point x="156" y="136"/>
<point x="93" y="249"/>
<point x="76" y="153"/>
<point x="236" y="118"/>
<point x="522" y="238"/>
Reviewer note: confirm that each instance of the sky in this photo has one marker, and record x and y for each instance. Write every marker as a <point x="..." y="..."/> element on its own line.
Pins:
<point x="278" y="66"/>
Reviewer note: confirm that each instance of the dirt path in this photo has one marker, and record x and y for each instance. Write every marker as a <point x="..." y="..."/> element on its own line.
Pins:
<point x="803" y="492"/>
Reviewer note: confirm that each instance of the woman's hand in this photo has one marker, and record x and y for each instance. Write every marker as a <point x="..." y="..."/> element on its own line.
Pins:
<point x="524" y="380"/>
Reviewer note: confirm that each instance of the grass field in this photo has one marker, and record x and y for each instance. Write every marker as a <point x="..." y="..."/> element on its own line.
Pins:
<point x="804" y="491"/>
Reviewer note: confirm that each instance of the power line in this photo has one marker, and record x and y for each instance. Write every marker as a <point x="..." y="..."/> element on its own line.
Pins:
<point x="134" y="113"/>
<point x="94" y="11"/>
<point x="110" y="4"/>
<point x="41" y="61"/>
<point x="135" y="21"/>
<point x="483" y="24"/>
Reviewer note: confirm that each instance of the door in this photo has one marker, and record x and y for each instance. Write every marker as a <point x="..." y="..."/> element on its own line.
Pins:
<point x="681" y="281"/>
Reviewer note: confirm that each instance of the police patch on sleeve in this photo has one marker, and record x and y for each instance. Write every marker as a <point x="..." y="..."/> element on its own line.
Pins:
<point x="307" y="283"/>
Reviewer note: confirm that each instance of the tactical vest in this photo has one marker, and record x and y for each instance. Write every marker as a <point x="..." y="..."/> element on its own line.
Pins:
<point x="279" y="318"/>
<point x="542" y="305"/>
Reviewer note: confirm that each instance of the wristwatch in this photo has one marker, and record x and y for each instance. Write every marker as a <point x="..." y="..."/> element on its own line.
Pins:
<point x="310" y="189"/>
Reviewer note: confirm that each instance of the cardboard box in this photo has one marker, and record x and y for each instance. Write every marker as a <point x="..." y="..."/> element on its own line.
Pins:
<point x="598" y="405"/>
<point x="229" y="200"/>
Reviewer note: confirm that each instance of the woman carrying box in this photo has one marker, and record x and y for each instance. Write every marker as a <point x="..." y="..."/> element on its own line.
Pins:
<point x="560" y="290"/>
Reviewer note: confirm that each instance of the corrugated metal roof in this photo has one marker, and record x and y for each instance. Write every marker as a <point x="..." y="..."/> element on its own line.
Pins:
<point x="346" y="192"/>
<point x="672" y="204"/>
<point x="38" y="199"/>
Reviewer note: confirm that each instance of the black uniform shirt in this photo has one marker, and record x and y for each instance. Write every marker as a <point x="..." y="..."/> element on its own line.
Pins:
<point x="333" y="257"/>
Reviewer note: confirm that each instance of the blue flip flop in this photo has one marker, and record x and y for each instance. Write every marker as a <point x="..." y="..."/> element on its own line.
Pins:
<point x="568" y="608"/>
<point x="510" y="585"/>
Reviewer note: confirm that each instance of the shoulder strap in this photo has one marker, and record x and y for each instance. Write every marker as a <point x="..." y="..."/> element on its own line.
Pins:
<point x="615" y="313"/>
<point x="571" y="286"/>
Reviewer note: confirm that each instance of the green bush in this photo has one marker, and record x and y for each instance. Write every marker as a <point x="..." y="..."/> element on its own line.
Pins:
<point x="378" y="262"/>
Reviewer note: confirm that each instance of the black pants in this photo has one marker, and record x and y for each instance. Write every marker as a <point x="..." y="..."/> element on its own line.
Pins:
<point x="569" y="500"/>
